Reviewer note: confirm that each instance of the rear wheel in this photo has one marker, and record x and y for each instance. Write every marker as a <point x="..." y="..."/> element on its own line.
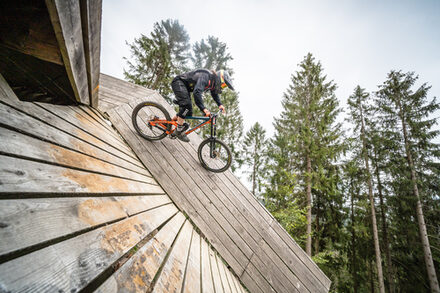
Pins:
<point x="214" y="155"/>
<point x="146" y="117"/>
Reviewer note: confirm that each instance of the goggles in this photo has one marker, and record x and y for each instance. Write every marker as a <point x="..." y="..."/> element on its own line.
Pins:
<point x="222" y="79"/>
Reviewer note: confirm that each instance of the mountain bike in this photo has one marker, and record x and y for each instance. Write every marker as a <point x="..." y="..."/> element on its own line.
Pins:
<point x="153" y="122"/>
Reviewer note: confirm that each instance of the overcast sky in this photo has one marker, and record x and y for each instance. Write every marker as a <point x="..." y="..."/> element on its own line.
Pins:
<point x="357" y="42"/>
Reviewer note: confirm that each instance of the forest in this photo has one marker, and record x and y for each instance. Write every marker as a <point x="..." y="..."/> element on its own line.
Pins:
<point x="360" y="194"/>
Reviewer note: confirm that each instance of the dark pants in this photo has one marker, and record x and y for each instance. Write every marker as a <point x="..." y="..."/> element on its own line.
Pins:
<point x="183" y="98"/>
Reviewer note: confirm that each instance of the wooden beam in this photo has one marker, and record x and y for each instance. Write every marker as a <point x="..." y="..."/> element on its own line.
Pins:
<point x="91" y="12"/>
<point x="66" y="21"/>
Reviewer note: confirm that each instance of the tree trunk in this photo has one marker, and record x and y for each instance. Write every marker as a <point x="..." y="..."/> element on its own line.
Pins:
<point x="384" y="228"/>
<point x="309" y="206"/>
<point x="373" y="212"/>
<point x="353" y="244"/>
<point x="430" y="269"/>
<point x="317" y="228"/>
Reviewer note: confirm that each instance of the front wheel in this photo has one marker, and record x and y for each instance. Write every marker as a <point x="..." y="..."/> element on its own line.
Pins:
<point x="214" y="155"/>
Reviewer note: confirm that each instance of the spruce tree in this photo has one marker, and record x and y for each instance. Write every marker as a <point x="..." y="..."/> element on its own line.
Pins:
<point x="307" y="139"/>
<point x="255" y="156"/>
<point x="211" y="54"/>
<point x="156" y="59"/>
<point x="408" y="113"/>
<point x="359" y="115"/>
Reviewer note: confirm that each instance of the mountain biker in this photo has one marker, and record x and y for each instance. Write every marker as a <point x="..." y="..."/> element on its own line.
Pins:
<point x="198" y="82"/>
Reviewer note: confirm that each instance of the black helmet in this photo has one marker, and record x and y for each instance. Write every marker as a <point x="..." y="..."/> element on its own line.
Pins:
<point x="224" y="79"/>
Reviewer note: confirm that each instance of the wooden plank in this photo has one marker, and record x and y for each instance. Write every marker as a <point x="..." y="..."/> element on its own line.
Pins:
<point x="17" y="144"/>
<point x="216" y="279"/>
<point x="273" y="273"/>
<point x="252" y="279"/>
<point x="171" y="276"/>
<point x="166" y="174"/>
<point x="232" y="280"/>
<point x="192" y="273"/>
<point x="66" y="21"/>
<point x="221" y="268"/>
<point x="91" y="13"/>
<point x="138" y="272"/>
<point x="30" y="222"/>
<point x="18" y="176"/>
<point x="205" y="263"/>
<point x="31" y="126"/>
<point x="82" y="123"/>
<point x="135" y="204"/>
<point x="98" y="118"/>
<point x="279" y="235"/>
<point x="79" y="112"/>
<point x="237" y="283"/>
<point x="72" y="264"/>
<point x="6" y="92"/>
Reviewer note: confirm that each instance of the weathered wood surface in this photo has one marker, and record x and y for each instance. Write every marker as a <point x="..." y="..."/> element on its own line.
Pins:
<point x="192" y="272"/>
<point x="110" y="95"/>
<point x="29" y="222"/>
<point x="87" y="126"/>
<point x="37" y="121"/>
<point x="66" y="21"/>
<point x="239" y="227"/>
<point x="23" y="146"/>
<point x="71" y="265"/>
<point x="138" y="272"/>
<point x="172" y="274"/>
<point x="24" y="176"/>
<point x="91" y="13"/>
<point x="206" y="274"/>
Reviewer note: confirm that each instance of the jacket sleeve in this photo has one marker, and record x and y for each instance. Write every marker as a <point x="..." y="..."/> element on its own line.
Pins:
<point x="216" y="98"/>
<point x="199" y="88"/>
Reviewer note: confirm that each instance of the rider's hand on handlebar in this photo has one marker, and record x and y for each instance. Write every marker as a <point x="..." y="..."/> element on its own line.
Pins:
<point x="207" y="113"/>
<point x="222" y="108"/>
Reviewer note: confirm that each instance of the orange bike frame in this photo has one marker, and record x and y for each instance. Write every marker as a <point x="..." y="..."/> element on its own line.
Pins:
<point x="163" y="123"/>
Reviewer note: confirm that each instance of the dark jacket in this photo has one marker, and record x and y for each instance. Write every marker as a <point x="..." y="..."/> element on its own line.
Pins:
<point x="198" y="82"/>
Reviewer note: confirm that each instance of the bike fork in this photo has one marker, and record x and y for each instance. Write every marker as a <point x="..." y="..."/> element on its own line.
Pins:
<point x="212" y="153"/>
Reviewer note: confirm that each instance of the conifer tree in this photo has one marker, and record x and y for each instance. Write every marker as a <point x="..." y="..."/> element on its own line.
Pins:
<point x="359" y="114"/>
<point x="255" y="156"/>
<point x="211" y="54"/>
<point x="408" y="112"/>
<point x="306" y="142"/>
<point x="156" y="59"/>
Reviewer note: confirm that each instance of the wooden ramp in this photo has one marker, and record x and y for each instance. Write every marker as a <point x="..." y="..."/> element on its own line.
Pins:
<point x="252" y="242"/>
<point x="80" y="212"/>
